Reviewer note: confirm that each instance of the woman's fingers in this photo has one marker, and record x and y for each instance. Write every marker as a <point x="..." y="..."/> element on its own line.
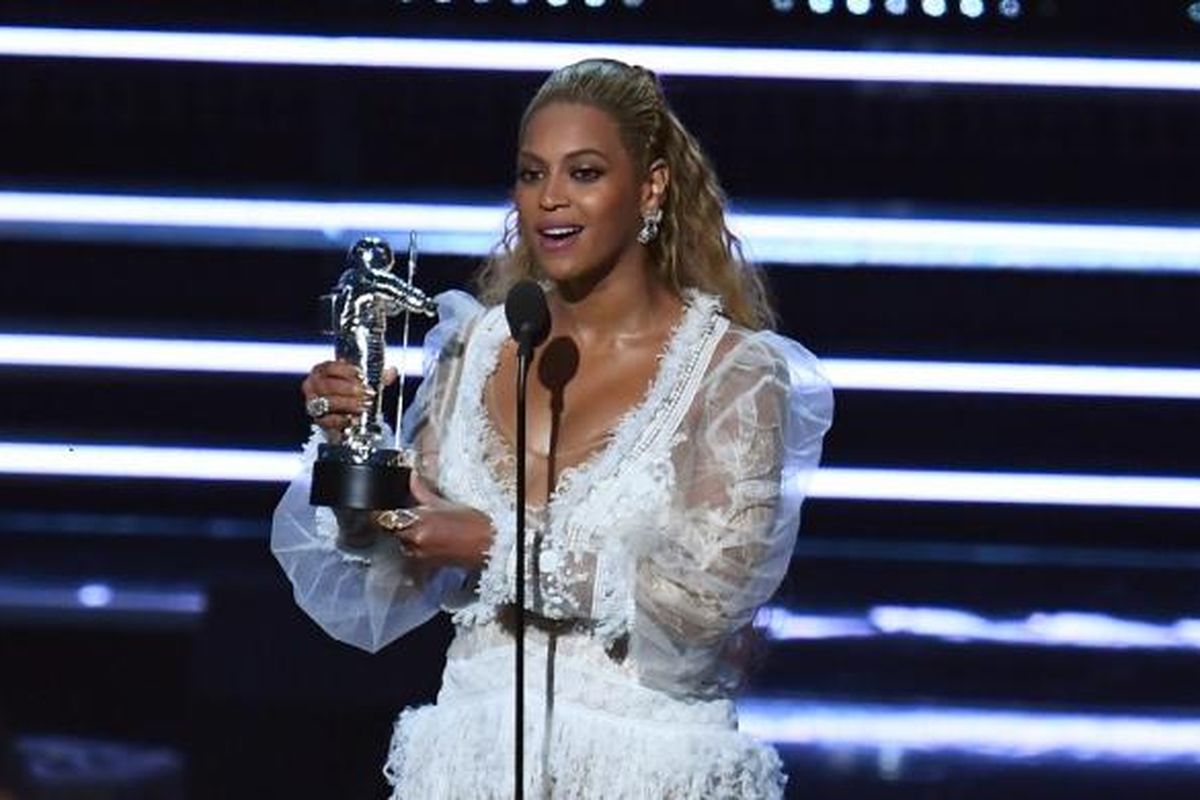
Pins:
<point x="398" y="519"/>
<point x="337" y="411"/>
<point x="440" y="532"/>
<point x="343" y="404"/>
<point x="325" y="383"/>
<point x="421" y="491"/>
<point x="336" y="369"/>
<point x="403" y="524"/>
<point x="344" y="395"/>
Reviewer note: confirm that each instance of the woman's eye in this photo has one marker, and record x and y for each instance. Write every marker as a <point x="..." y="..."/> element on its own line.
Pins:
<point x="586" y="174"/>
<point x="528" y="175"/>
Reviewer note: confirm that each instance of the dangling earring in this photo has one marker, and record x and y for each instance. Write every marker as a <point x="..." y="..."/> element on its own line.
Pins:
<point x="650" y="225"/>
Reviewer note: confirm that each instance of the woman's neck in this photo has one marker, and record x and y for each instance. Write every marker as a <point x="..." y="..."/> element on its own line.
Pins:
<point x="620" y="306"/>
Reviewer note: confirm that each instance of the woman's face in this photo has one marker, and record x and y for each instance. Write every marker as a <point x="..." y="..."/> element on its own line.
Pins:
<point x="578" y="193"/>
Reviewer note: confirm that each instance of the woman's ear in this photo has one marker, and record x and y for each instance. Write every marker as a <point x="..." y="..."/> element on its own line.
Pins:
<point x="654" y="190"/>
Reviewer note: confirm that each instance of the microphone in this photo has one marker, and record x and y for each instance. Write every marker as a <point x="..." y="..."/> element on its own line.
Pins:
<point x="529" y="322"/>
<point x="528" y="316"/>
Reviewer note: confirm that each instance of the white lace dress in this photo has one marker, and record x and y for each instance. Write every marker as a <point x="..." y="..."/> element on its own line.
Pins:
<point x="645" y="568"/>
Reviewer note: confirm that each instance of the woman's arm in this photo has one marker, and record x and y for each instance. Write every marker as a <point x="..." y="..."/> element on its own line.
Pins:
<point x="352" y="577"/>
<point x="360" y="589"/>
<point x="753" y="441"/>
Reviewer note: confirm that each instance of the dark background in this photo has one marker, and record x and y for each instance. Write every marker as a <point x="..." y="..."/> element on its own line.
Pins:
<point x="259" y="703"/>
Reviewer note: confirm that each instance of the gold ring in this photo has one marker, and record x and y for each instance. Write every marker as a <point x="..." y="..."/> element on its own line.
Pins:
<point x="398" y="519"/>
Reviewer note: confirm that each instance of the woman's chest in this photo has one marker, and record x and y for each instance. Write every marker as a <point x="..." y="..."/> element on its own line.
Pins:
<point x="576" y="399"/>
<point x="601" y="432"/>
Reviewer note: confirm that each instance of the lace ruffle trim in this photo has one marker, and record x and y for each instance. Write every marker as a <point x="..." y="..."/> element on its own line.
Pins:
<point x="465" y="750"/>
<point x="635" y="431"/>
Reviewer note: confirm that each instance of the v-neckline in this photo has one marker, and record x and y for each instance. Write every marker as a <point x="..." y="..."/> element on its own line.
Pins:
<point x="630" y="425"/>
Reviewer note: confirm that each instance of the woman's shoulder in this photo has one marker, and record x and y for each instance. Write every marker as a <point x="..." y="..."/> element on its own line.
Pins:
<point x="757" y="355"/>
<point x="459" y="315"/>
<point x="765" y="369"/>
<point x="458" y="311"/>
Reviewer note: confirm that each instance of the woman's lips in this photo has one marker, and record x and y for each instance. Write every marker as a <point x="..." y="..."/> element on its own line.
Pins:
<point x="555" y="238"/>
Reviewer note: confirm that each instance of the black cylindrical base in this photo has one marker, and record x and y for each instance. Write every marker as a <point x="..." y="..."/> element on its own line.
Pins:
<point x="368" y="487"/>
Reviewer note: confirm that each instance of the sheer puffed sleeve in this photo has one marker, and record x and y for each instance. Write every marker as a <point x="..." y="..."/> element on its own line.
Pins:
<point x="742" y="461"/>
<point x="369" y="596"/>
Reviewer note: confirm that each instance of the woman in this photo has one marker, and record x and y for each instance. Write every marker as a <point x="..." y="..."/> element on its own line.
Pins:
<point x="670" y="439"/>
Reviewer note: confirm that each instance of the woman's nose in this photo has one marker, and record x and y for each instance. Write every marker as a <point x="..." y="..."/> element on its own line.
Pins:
<point x="553" y="193"/>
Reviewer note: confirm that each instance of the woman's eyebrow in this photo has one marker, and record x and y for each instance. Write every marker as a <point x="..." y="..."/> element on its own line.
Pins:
<point x="584" y="151"/>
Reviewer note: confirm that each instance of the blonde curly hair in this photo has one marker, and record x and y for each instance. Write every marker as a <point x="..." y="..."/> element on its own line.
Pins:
<point x="694" y="248"/>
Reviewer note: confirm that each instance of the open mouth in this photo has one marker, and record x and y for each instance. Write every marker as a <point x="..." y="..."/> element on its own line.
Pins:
<point x="558" y="236"/>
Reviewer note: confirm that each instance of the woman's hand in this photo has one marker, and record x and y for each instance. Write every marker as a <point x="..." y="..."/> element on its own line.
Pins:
<point x="439" y="532"/>
<point x="342" y="388"/>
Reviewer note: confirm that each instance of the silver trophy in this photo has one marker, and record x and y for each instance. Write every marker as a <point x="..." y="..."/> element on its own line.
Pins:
<point x="365" y="470"/>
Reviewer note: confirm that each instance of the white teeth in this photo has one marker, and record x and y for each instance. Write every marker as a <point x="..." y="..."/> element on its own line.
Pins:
<point x="561" y="231"/>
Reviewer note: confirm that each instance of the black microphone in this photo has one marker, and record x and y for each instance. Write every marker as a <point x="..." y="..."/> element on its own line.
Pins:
<point x="528" y="315"/>
<point x="529" y="322"/>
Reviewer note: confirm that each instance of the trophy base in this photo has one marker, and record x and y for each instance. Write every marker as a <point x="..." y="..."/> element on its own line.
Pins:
<point x="378" y="484"/>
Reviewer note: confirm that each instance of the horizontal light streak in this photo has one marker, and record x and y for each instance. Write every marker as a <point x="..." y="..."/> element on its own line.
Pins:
<point x="174" y="355"/>
<point x="195" y="355"/>
<point x="471" y="229"/>
<point x="32" y="596"/>
<point x="1013" y="378"/>
<point x="1076" y="629"/>
<point x="1021" y="488"/>
<point x="849" y="547"/>
<point x="466" y="229"/>
<point x="785" y="625"/>
<point x="840" y="483"/>
<point x="874" y="241"/>
<point x="542" y="56"/>
<point x="1001" y="733"/>
<point x="134" y="461"/>
<point x="122" y="525"/>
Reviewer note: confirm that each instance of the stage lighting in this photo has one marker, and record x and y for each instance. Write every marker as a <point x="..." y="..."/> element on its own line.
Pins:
<point x="996" y="732"/>
<point x="858" y="7"/>
<point x="783" y="5"/>
<point x="1055" y="629"/>
<point x="462" y="229"/>
<point x="971" y="8"/>
<point x="1193" y="12"/>
<point x="94" y="595"/>
<point x="1021" y="488"/>
<point x="862" y="374"/>
<point x="1010" y="8"/>
<point x="830" y="483"/>
<point x="896" y="7"/>
<point x="934" y="8"/>
<point x="820" y="6"/>
<point x="43" y="596"/>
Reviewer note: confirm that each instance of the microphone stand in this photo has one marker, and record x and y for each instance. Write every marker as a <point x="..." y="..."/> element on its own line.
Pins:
<point x="524" y="351"/>
<point x="529" y="323"/>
